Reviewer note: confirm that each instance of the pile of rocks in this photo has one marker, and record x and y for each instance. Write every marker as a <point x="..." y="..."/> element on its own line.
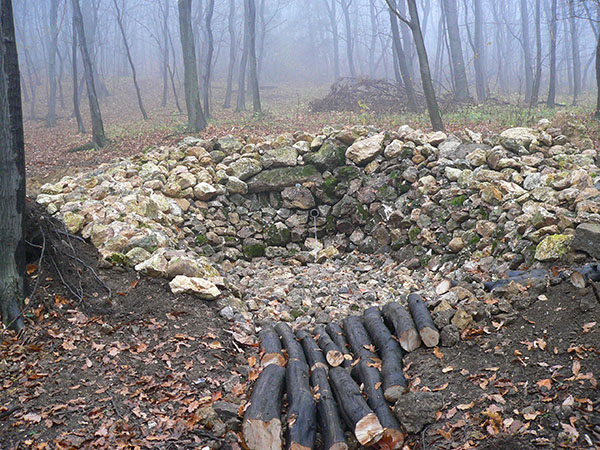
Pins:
<point x="429" y="200"/>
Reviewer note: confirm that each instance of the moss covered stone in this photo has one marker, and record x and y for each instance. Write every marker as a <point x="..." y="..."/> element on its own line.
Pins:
<point x="328" y="157"/>
<point x="278" y="235"/>
<point x="277" y="179"/>
<point x="553" y="247"/>
<point x="254" y="250"/>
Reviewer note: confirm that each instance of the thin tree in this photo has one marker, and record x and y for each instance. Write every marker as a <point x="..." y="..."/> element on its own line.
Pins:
<point x="332" y="14"/>
<point x="428" y="90"/>
<point x="241" y="95"/>
<point x="232" y="54"/>
<point x="575" y="52"/>
<point x="552" y="84"/>
<point x="538" y="55"/>
<point x="12" y="176"/>
<point x="461" y="87"/>
<point x="400" y="58"/>
<point x="98" y="136"/>
<point x="120" y="12"/>
<point x="165" y="50"/>
<point x="349" y="47"/>
<point x="479" y="52"/>
<point x="526" y="51"/>
<point x="210" y="7"/>
<point x="52" y="48"/>
<point x="196" y="119"/>
<point x="252" y="56"/>
<point x="597" y="112"/>
<point x="76" y="98"/>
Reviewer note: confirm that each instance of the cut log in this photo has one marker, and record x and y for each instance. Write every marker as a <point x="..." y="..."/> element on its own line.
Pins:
<point x="270" y="347"/>
<point x="360" y="342"/>
<point x="420" y="314"/>
<point x="330" y="422"/>
<point x="301" y="421"/>
<point x="313" y="353"/>
<point x="337" y="336"/>
<point x="403" y="326"/>
<point x="356" y="412"/>
<point x="392" y="438"/>
<point x="332" y="352"/>
<point x="291" y="345"/>
<point x="261" y="427"/>
<point x="394" y="382"/>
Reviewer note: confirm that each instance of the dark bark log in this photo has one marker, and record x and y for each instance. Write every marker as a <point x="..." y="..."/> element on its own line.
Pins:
<point x="76" y="97"/>
<point x="422" y="318"/>
<point x="252" y="57"/>
<point x="232" y="54"/>
<point x="261" y="427"/>
<point x="356" y="412"/>
<point x="196" y="119"/>
<point x="459" y="72"/>
<point x="292" y="346"/>
<point x="337" y="335"/>
<point x="98" y="136"/>
<point x="403" y="325"/>
<point x="330" y="422"/>
<point x="12" y="176"/>
<point x="359" y="340"/>
<point x="210" y="7"/>
<point x="552" y="83"/>
<point x="392" y="438"/>
<point x="313" y="353"/>
<point x="270" y="347"/>
<point x="332" y="352"/>
<point x="130" y="59"/>
<point x="394" y="382"/>
<point x="52" y="48"/>
<point x="302" y="412"/>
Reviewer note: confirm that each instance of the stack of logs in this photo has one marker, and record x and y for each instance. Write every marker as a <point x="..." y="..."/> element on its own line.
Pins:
<point x="324" y="371"/>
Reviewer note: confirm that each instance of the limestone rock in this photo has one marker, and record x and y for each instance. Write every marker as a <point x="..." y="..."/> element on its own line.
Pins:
<point x="277" y="179"/>
<point x="155" y="266"/>
<point x="328" y="157"/>
<point x="515" y="138"/>
<point x="587" y="239"/>
<point x="245" y="168"/>
<point x="197" y="286"/>
<point x="365" y="150"/>
<point x="280" y="157"/>
<point x="204" y="192"/>
<point x="297" y="197"/>
<point x="553" y="247"/>
<point x="415" y="410"/>
<point x="73" y="221"/>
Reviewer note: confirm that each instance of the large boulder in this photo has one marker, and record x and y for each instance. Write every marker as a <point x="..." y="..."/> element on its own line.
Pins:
<point x="280" y="157"/>
<point x="229" y="145"/>
<point x="328" y="157"/>
<point x="277" y="179"/>
<point x="365" y="150"/>
<point x="553" y="247"/>
<point x="245" y="168"/>
<point x="515" y="138"/>
<point x="297" y="197"/>
<point x="197" y="286"/>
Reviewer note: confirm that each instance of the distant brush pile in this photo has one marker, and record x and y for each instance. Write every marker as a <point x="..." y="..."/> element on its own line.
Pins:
<point x="361" y="95"/>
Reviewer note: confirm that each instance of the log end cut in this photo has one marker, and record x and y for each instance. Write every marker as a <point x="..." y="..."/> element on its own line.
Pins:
<point x="410" y="340"/>
<point x="430" y="337"/>
<point x="368" y="430"/>
<point x="339" y="446"/>
<point x="391" y="440"/>
<point x="260" y="435"/>
<point x="335" y="358"/>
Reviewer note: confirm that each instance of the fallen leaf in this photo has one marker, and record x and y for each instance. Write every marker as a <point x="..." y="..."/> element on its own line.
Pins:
<point x="465" y="406"/>
<point x="447" y="369"/>
<point x="546" y="382"/>
<point x="576" y="367"/>
<point x="31" y="268"/>
<point x="437" y="353"/>
<point x="531" y="416"/>
<point x="440" y="388"/>
<point x="588" y="326"/>
<point x="32" y="417"/>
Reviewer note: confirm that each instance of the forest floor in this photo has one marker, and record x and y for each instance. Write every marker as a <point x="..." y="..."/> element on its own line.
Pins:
<point x="142" y="368"/>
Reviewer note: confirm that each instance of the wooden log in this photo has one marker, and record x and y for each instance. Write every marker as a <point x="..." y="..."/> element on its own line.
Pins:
<point x="337" y="335"/>
<point x="403" y="326"/>
<point x="356" y="412"/>
<point x="359" y="341"/>
<point x="261" y="427"/>
<point x="332" y="352"/>
<point x="313" y="353"/>
<point x="291" y="345"/>
<point x="330" y="423"/>
<point x="394" y="382"/>
<point x="420" y="314"/>
<point x="301" y="421"/>
<point x="393" y="437"/>
<point x="270" y="347"/>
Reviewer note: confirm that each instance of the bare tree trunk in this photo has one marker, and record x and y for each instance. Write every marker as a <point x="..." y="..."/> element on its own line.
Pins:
<point x="461" y="86"/>
<point x="535" y="94"/>
<point x="401" y="60"/>
<point x="575" y="53"/>
<point x="12" y="176"/>
<point x="76" y="98"/>
<point x="165" y="63"/>
<point x="373" y="46"/>
<point x="349" y="52"/>
<point x="98" y="136"/>
<point x="553" y="29"/>
<point x="331" y="10"/>
<point x="241" y="96"/>
<point x="526" y="51"/>
<point x="252" y="56"/>
<point x="53" y="31"/>
<point x="61" y="72"/>
<point x="135" y="83"/>
<point x="232" y="54"/>
<point x="480" y="62"/>
<point x="597" y="112"/>
<point x="210" y="7"/>
<point x="196" y="119"/>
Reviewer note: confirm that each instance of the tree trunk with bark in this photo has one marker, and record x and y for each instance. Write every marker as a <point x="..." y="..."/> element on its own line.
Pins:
<point x="461" y="92"/>
<point x="526" y="51"/>
<point x="575" y="52"/>
<point x="232" y="54"/>
<point x="210" y="8"/>
<point x="401" y="59"/>
<point x="537" y="80"/>
<point x="196" y="119"/>
<point x="479" y="62"/>
<point x="120" y="13"/>
<point x="241" y="96"/>
<point x="76" y="98"/>
<point x="553" y="29"/>
<point x="53" y="31"/>
<point x="252" y="56"/>
<point x="12" y="176"/>
<point x="98" y="136"/>
<point x="349" y="50"/>
<point x="165" y="54"/>
<point x="597" y="112"/>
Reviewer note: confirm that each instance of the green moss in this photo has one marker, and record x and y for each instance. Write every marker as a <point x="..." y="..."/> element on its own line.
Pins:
<point x="329" y="185"/>
<point x="458" y="201"/>
<point x="413" y="234"/>
<point x="254" y="250"/>
<point x="362" y="211"/>
<point x="348" y="172"/>
<point x="330" y="225"/>
<point x="117" y="259"/>
<point x="387" y="192"/>
<point x="278" y="236"/>
<point x="295" y="313"/>
<point x="474" y="240"/>
<point x="403" y="188"/>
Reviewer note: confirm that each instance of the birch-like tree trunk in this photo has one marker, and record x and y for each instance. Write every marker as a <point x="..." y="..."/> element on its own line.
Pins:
<point x="12" y="176"/>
